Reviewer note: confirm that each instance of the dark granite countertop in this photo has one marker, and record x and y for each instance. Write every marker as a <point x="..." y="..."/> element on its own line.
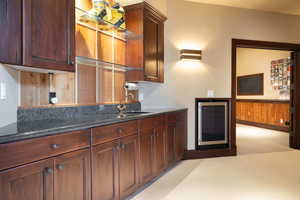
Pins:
<point x="33" y="129"/>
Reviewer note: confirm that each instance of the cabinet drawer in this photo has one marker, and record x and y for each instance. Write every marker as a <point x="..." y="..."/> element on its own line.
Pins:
<point x="152" y="122"/>
<point x="112" y="132"/>
<point x="17" y="153"/>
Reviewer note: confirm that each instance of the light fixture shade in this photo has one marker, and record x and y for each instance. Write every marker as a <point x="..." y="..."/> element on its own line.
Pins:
<point x="190" y="54"/>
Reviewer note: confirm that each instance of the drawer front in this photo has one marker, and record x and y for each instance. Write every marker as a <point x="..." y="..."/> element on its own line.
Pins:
<point x="108" y="133"/>
<point x="18" y="153"/>
<point x="152" y="122"/>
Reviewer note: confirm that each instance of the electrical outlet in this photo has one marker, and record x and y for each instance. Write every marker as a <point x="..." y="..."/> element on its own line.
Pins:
<point x="3" y="94"/>
<point x="141" y="97"/>
<point x="101" y="107"/>
<point x="210" y="93"/>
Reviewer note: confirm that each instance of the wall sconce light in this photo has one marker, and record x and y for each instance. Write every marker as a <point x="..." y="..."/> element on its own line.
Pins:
<point x="190" y="54"/>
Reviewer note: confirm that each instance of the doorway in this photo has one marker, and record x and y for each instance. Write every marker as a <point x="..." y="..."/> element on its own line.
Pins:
<point x="294" y="137"/>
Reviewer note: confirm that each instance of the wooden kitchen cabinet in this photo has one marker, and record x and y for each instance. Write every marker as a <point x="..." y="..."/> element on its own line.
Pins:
<point x="176" y="136"/>
<point x="34" y="182"/>
<point x="145" y="49"/>
<point x="160" y="150"/>
<point x="147" y="155"/>
<point x="72" y="176"/>
<point x="105" y="166"/>
<point x="171" y="131"/>
<point x="49" y="34"/>
<point x="59" y="178"/>
<point x="115" y="168"/>
<point x="10" y="31"/>
<point x="110" y="164"/>
<point x="128" y="165"/>
<point x="152" y="143"/>
<point x="38" y="33"/>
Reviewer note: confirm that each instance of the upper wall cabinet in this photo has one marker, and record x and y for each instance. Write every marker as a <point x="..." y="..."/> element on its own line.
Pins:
<point x="10" y="31"/>
<point x="48" y="28"/>
<point x="146" y="48"/>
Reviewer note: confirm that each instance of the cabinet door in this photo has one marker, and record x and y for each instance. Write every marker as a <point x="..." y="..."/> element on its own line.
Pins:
<point x="49" y="34"/>
<point x="151" y="68"/>
<point x="160" y="150"/>
<point x="34" y="182"/>
<point x="147" y="154"/>
<point x="10" y="31"/>
<point x="128" y="166"/>
<point x="105" y="171"/>
<point x="72" y="176"/>
<point x="171" y="130"/>
<point x="179" y="140"/>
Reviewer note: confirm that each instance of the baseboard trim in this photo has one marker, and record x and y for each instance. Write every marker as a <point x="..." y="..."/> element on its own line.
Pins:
<point x="266" y="126"/>
<point x="211" y="153"/>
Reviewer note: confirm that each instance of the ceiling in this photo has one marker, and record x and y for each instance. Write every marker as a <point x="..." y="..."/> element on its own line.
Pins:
<point x="279" y="6"/>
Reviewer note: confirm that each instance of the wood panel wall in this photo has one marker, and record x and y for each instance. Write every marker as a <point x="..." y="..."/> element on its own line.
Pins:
<point x="35" y="88"/>
<point x="270" y="114"/>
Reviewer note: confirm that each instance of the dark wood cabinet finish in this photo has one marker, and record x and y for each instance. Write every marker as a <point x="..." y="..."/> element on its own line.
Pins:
<point x="49" y="34"/>
<point x="113" y="132"/>
<point x="34" y="182"/>
<point x="160" y="149"/>
<point x="146" y="49"/>
<point x="105" y="178"/>
<point x="147" y="155"/>
<point x="35" y="149"/>
<point x="176" y="136"/>
<point x="106" y="168"/>
<point x="72" y="176"/>
<point x="128" y="165"/>
<point x="152" y="143"/>
<point x="10" y="31"/>
<point x="170" y="153"/>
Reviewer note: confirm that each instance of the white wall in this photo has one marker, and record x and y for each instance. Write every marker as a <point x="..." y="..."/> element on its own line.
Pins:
<point x="8" y="107"/>
<point x="210" y="28"/>
<point x="256" y="61"/>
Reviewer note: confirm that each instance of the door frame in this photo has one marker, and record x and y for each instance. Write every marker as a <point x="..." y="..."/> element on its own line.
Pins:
<point x="240" y="43"/>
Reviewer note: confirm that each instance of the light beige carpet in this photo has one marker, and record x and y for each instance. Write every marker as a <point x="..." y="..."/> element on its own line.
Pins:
<point x="265" y="169"/>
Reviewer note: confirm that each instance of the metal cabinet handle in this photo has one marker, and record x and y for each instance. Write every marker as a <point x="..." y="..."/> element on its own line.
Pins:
<point x="55" y="146"/>
<point x="60" y="167"/>
<point x="49" y="170"/>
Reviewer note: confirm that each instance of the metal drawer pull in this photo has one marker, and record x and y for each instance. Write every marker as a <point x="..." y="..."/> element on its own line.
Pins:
<point x="60" y="167"/>
<point x="55" y="146"/>
<point x="49" y="170"/>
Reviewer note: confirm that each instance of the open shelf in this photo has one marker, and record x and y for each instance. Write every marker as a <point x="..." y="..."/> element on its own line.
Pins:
<point x="86" y="19"/>
<point x="106" y="65"/>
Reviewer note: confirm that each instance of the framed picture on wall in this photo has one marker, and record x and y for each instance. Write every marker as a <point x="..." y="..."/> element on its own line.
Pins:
<point x="250" y="84"/>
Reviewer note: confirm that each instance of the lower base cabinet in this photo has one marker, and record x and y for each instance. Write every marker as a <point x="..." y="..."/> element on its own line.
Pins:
<point x="113" y="161"/>
<point x="115" y="169"/>
<point x="105" y="159"/>
<point x="32" y="182"/>
<point x="59" y="178"/>
<point x="72" y="175"/>
<point x="128" y="169"/>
